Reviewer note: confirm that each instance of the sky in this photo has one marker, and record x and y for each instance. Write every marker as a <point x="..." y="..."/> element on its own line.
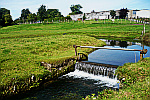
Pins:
<point x="15" y="6"/>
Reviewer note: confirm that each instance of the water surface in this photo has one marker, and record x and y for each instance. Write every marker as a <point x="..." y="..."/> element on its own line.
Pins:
<point x="118" y="57"/>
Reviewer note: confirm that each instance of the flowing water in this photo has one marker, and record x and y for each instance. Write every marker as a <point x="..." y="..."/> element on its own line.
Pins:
<point x="88" y="77"/>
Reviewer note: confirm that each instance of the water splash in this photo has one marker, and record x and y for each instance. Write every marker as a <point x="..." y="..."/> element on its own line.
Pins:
<point x="103" y="76"/>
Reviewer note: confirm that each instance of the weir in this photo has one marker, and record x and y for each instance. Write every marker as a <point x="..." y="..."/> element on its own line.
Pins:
<point x="97" y="69"/>
<point x="144" y="51"/>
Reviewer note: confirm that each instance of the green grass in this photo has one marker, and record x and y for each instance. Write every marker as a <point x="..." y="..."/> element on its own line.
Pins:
<point x="23" y="55"/>
<point x="126" y="29"/>
<point x="23" y="47"/>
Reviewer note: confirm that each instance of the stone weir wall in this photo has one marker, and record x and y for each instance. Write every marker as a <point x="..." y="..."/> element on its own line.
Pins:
<point x="34" y="81"/>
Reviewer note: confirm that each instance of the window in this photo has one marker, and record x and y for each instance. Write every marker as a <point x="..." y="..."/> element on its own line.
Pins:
<point x="134" y="12"/>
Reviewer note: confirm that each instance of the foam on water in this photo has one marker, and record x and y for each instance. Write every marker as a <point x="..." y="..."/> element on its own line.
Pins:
<point x="100" y="80"/>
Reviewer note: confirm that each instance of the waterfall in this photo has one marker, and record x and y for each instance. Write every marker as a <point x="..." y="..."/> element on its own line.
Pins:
<point x="99" y="69"/>
<point x="101" y="75"/>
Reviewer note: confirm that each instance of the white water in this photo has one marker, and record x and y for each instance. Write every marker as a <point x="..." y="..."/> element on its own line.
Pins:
<point x="81" y="71"/>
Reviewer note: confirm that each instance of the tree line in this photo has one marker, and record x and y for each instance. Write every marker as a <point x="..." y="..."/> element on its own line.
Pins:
<point x="41" y="15"/>
<point x="47" y="15"/>
<point x="27" y="16"/>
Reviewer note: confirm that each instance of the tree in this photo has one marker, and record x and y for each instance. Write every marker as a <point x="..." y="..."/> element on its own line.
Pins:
<point x="25" y="13"/>
<point x="84" y="17"/>
<point x="68" y="17"/>
<point x="123" y="13"/>
<point x="8" y="19"/>
<point x="76" y="9"/>
<point x="32" y="17"/>
<point x="52" y="13"/>
<point x="5" y="17"/>
<point x="113" y="13"/>
<point x="16" y="21"/>
<point x="42" y="13"/>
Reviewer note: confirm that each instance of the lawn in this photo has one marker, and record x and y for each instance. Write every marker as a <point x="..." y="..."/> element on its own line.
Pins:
<point x="91" y="28"/>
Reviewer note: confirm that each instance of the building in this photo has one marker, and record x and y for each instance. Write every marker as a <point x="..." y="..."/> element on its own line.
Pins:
<point x="98" y="15"/>
<point x="92" y="15"/>
<point x="132" y="14"/>
<point x="143" y="14"/>
<point x="77" y="17"/>
<point x="135" y="14"/>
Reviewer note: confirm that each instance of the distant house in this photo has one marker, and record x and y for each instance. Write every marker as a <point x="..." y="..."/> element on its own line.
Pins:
<point x="98" y="15"/>
<point x="132" y="14"/>
<point x="106" y="15"/>
<point x="139" y="14"/>
<point x="77" y="17"/>
<point x="143" y="14"/>
<point x="92" y="15"/>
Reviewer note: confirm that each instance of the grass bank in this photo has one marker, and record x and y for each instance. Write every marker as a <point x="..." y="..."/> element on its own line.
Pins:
<point x="21" y="57"/>
<point x="135" y="84"/>
<point x="146" y="39"/>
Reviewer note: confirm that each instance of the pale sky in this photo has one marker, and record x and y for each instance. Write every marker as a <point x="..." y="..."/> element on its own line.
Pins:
<point x="15" y="6"/>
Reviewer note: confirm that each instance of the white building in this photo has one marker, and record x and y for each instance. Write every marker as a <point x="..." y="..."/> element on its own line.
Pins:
<point x="139" y="14"/>
<point x="106" y="15"/>
<point x="77" y="17"/>
<point x="143" y="14"/>
<point x="132" y="14"/>
<point x="98" y="15"/>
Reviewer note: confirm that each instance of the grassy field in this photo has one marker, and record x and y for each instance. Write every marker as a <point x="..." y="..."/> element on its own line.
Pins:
<point x="91" y="28"/>
<point x="23" y="47"/>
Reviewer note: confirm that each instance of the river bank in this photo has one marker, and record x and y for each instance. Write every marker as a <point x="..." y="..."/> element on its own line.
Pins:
<point x="146" y="39"/>
<point x="134" y="78"/>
